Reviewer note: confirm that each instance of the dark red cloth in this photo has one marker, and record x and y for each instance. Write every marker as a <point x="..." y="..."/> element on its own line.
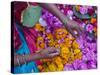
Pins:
<point x="19" y="7"/>
<point x="16" y="38"/>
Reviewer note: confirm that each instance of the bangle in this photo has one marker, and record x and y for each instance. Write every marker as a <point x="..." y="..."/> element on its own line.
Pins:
<point x="41" y="55"/>
<point x="64" y="22"/>
<point x="24" y="59"/>
<point x="18" y="61"/>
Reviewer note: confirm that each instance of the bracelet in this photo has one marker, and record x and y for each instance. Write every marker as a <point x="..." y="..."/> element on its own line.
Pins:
<point x="24" y="59"/>
<point x="18" y="61"/>
<point x="64" y="22"/>
<point x="41" y="55"/>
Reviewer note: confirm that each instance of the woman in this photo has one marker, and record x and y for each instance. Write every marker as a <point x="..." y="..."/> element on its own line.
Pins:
<point x="26" y="15"/>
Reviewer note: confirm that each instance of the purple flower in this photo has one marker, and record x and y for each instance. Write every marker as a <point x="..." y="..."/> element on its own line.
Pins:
<point x="89" y="28"/>
<point x="70" y="13"/>
<point x="87" y="46"/>
<point x="68" y="67"/>
<point x="82" y="66"/>
<point x="83" y="10"/>
<point x="92" y="64"/>
<point x="76" y="64"/>
<point x="83" y="25"/>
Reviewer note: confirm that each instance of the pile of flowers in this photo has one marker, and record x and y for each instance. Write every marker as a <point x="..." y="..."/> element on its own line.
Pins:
<point x="88" y="23"/>
<point x="58" y="38"/>
<point x="75" y="54"/>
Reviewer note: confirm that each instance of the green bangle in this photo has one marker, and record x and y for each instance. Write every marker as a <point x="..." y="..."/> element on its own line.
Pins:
<point x="64" y="22"/>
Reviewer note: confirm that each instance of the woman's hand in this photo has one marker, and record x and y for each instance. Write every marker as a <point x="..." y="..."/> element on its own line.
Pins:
<point x="49" y="52"/>
<point x="73" y="26"/>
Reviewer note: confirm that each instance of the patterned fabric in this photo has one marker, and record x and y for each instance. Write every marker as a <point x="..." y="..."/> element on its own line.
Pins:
<point x="28" y="67"/>
<point x="31" y="15"/>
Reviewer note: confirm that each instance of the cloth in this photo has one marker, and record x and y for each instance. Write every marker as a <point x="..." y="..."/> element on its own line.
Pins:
<point x="27" y="14"/>
<point x="28" y="67"/>
<point x="31" y="15"/>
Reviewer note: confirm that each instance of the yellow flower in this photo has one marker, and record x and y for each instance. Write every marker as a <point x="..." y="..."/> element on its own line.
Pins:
<point x="78" y="56"/>
<point x="75" y="44"/>
<point x="61" y="33"/>
<point x="51" y="43"/>
<point x="64" y="61"/>
<point x="60" y="67"/>
<point x="40" y="67"/>
<point x="42" y="46"/>
<point x="56" y="46"/>
<point x="49" y="35"/>
<point x="46" y="69"/>
<point x="65" y="57"/>
<point x="48" y="63"/>
<point x="70" y="57"/>
<point x="67" y="42"/>
<point x="57" y="60"/>
<point x="76" y="51"/>
<point x="40" y="43"/>
<point x="69" y="50"/>
<point x="40" y="38"/>
<point x="64" y="50"/>
<point x="77" y="7"/>
<point x="52" y="67"/>
<point x="38" y="27"/>
<point x="50" y="39"/>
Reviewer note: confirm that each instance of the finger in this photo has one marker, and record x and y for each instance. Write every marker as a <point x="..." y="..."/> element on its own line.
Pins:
<point x="54" y="50"/>
<point x="82" y="29"/>
<point x="73" y="34"/>
<point x="58" y="50"/>
<point x="51" y="50"/>
<point x="53" y="54"/>
<point x="77" y="25"/>
<point x="79" y="29"/>
<point x="70" y="30"/>
<point x="79" y="32"/>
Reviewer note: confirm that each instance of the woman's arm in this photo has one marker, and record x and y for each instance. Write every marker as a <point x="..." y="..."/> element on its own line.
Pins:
<point x="52" y="8"/>
<point x="47" y="53"/>
<point x="70" y="25"/>
<point x="22" y="59"/>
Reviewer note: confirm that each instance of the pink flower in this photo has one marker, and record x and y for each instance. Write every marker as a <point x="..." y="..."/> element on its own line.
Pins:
<point x="70" y="12"/>
<point x="83" y="24"/>
<point x="89" y="28"/>
<point x="68" y="67"/>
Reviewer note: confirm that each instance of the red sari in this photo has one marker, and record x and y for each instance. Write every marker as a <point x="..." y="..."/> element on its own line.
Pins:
<point x="29" y="33"/>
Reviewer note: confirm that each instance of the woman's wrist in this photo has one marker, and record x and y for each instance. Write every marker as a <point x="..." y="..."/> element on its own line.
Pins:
<point x="36" y="56"/>
<point x="41" y="55"/>
<point x="64" y="19"/>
